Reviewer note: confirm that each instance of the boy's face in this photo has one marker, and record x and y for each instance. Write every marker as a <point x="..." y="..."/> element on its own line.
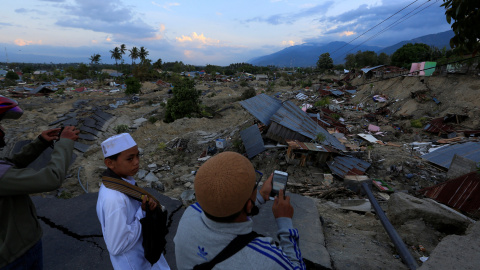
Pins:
<point x="127" y="163"/>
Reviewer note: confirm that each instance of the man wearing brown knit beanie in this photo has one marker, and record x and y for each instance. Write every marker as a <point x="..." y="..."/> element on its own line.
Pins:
<point x="227" y="195"/>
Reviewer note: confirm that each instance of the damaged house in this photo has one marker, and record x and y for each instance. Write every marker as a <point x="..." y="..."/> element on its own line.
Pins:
<point x="286" y="121"/>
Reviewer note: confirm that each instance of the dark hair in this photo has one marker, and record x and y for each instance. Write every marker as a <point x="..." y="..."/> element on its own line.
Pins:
<point x="114" y="157"/>
<point x="227" y="219"/>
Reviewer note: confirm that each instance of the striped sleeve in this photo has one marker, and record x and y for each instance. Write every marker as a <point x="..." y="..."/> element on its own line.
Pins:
<point x="288" y="255"/>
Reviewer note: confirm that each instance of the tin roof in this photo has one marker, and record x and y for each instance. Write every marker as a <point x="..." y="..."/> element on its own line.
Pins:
<point x="462" y="193"/>
<point x="262" y="106"/>
<point x="444" y="156"/>
<point x="298" y="145"/>
<point x="252" y="140"/>
<point x="366" y="70"/>
<point x="438" y="125"/>
<point x="293" y="118"/>
<point x="342" y="166"/>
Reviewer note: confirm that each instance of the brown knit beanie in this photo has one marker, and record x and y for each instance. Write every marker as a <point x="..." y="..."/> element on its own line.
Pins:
<point x="224" y="183"/>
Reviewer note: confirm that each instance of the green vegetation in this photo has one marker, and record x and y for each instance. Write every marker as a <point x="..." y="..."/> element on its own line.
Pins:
<point x="418" y="123"/>
<point x="466" y="15"/>
<point x="243" y="83"/>
<point x="121" y="128"/>
<point x="133" y="86"/>
<point x="320" y="138"/>
<point x="410" y="53"/>
<point x="366" y="58"/>
<point x="248" y="93"/>
<point x="162" y="146"/>
<point x="323" y="102"/>
<point x="184" y="103"/>
<point x="152" y="119"/>
<point x="12" y="75"/>
<point x="324" y="62"/>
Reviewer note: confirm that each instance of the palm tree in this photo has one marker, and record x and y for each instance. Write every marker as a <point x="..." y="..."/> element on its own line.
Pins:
<point x="134" y="54"/>
<point x="116" y="54"/>
<point x="95" y="58"/>
<point x="142" y="54"/>
<point x="123" y="49"/>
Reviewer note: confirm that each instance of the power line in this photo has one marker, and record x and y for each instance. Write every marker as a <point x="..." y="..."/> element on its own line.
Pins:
<point x="401" y="75"/>
<point x="374" y="26"/>
<point x="397" y="22"/>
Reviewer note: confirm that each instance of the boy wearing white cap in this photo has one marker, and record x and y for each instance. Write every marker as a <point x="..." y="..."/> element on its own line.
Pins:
<point x="119" y="214"/>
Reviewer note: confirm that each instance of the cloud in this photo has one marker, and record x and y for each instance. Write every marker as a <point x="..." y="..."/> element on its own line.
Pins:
<point x="22" y="42"/>
<point x="5" y="24"/>
<point x="347" y="33"/>
<point x="198" y="41"/>
<point x="288" y="43"/>
<point x="55" y="1"/>
<point x="107" y="16"/>
<point x="290" y="18"/>
<point x="415" y="21"/>
<point x="188" y="53"/>
<point x="94" y="41"/>
<point x="166" y="5"/>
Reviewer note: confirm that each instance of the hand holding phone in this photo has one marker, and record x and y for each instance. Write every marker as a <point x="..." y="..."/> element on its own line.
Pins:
<point x="279" y="182"/>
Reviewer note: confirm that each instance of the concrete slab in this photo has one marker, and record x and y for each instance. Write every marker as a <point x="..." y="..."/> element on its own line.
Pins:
<point x="307" y="221"/>
<point x="81" y="147"/>
<point x="456" y="252"/>
<point x="104" y="115"/>
<point x="87" y="137"/>
<point x="89" y="122"/>
<point x="89" y="130"/>
<point x="72" y="235"/>
<point x="70" y="122"/>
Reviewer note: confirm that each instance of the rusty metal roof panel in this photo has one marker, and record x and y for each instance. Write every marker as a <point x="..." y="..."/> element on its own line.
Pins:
<point x="462" y="193"/>
<point x="438" y="125"/>
<point x="262" y="106"/>
<point x="342" y="166"/>
<point x="444" y="156"/>
<point x="252" y="140"/>
<point x="293" y="118"/>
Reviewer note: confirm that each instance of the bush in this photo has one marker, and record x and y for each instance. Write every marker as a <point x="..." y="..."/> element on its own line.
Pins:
<point x="243" y="84"/>
<point x="133" y="86"/>
<point x="418" y="123"/>
<point x="121" y="128"/>
<point x="184" y="103"/>
<point x="248" y="93"/>
<point x="323" y="102"/>
<point x="152" y="119"/>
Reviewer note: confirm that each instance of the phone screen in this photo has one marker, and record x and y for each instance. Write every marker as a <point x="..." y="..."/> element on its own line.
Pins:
<point x="279" y="182"/>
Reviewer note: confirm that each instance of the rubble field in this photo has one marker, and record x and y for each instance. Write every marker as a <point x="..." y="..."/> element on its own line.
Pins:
<point x="171" y="152"/>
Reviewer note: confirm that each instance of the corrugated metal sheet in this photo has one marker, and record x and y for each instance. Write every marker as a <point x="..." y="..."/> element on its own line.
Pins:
<point x="444" y="156"/>
<point x="462" y="193"/>
<point x="296" y="120"/>
<point x="298" y="145"/>
<point x="438" y="125"/>
<point x="262" y="106"/>
<point x="337" y="93"/>
<point x="252" y="140"/>
<point x="366" y="70"/>
<point x="343" y="166"/>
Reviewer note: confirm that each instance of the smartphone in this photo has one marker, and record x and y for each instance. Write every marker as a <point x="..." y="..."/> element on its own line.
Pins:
<point x="279" y="182"/>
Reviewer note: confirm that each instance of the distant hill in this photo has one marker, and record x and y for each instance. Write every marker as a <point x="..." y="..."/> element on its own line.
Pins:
<point x="306" y="55"/>
<point x="439" y="40"/>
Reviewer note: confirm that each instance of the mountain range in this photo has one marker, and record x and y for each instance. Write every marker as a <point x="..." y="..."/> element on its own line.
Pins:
<point x="306" y="55"/>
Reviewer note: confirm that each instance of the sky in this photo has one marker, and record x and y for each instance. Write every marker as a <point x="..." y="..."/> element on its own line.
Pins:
<point x="204" y="32"/>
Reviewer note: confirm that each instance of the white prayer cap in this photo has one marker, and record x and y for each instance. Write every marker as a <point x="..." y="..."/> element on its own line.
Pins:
<point x="117" y="144"/>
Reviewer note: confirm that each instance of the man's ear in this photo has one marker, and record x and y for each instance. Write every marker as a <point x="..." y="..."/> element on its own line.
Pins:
<point x="110" y="163"/>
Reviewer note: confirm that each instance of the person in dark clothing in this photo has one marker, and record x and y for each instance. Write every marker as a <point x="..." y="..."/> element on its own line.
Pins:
<point x="20" y="231"/>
